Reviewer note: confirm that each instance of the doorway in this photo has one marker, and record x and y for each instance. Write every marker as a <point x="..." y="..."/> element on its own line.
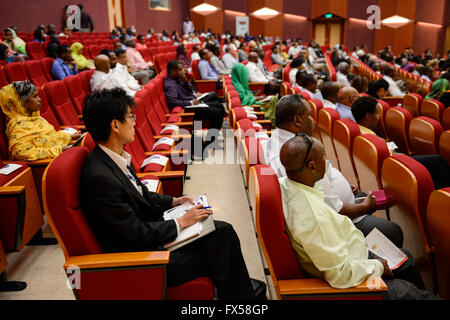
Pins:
<point x="328" y="31"/>
<point x="116" y="13"/>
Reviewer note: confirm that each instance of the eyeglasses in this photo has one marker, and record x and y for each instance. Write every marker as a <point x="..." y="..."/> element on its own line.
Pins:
<point x="132" y="117"/>
<point x="310" y="143"/>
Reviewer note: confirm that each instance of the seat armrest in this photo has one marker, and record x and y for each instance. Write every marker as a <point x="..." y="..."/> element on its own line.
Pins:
<point x="168" y="153"/>
<point x="176" y="137"/>
<point x="180" y="124"/>
<point x="114" y="260"/>
<point x="316" y="286"/>
<point x="184" y="114"/>
<point x="11" y="191"/>
<point x="39" y="163"/>
<point x="163" y="175"/>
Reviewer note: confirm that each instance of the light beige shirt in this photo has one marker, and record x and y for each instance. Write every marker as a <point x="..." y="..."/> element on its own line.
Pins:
<point x="327" y="244"/>
<point x="255" y="74"/>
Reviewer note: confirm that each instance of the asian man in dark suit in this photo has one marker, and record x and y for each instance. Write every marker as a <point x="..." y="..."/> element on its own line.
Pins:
<point x="125" y="216"/>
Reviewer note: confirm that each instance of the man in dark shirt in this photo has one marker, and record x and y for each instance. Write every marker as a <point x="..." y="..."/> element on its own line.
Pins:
<point x="179" y="92"/>
<point x="86" y="21"/>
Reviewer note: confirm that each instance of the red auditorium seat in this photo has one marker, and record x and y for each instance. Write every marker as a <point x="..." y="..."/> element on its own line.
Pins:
<point x="3" y="80"/>
<point x="381" y="128"/>
<point x="35" y="73"/>
<point x="47" y="64"/>
<point x="397" y="128"/>
<point x="344" y="133"/>
<point x="94" y="50"/>
<point x="77" y="92"/>
<point x="46" y="112"/>
<point x="289" y="280"/>
<point x="409" y="184"/>
<point x="438" y="222"/>
<point x="132" y="275"/>
<point x="202" y="85"/>
<point x="62" y="106"/>
<point x="325" y="122"/>
<point x="444" y="146"/>
<point x="15" y="72"/>
<point x="85" y="77"/>
<point x="412" y="103"/>
<point x="424" y="134"/>
<point x="433" y="109"/>
<point x="34" y="50"/>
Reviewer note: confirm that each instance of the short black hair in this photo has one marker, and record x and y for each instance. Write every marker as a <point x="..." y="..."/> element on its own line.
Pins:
<point x="287" y="107"/>
<point x="362" y="106"/>
<point x="103" y="106"/>
<point x="202" y="53"/>
<point x="307" y="79"/>
<point x="374" y="86"/>
<point x="106" y="52"/>
<point x="172" y="65"/>
<point x="297" y="62"/>
<point x="328" y="89"/>
<point x="445" y="75"/>
<point x="62" y="48"/>
<point x="7" y="30"/>
<point x="119" y="51"/>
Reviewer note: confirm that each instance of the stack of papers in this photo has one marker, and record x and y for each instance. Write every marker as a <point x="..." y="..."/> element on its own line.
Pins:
<point x="380" y="246"/>
<point x="9" y="168"/>
<point x="196" y="106"/>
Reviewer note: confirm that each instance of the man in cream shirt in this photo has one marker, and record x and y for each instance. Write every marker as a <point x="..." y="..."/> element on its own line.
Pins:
<point x="327" y="244"/>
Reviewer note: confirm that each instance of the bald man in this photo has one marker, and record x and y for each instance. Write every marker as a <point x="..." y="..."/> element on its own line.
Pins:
<point x="257" y="76"/>
<point x="346" y="97"/>
<point x="326" y="243"/>
<point x="104" y="79"/>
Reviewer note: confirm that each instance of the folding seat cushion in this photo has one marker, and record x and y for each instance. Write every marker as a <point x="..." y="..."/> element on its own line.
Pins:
<point x="60" y="102"/>
<point x="438" y="218"/>
<point x="412" y="103"/>
<point x="15" y="71"/>
<point x="76" y="90"/>
<point x="344" y="133"/>
<point x="325" y="121"/>
<point x="433" y="109"/>
<point x="369" y="153"/>
<point x="46" y="64"/>
<point x="3" y="80"/>
<point x="34" y="50"/>
<point x="35" y="72"/>
<point x="397" y="124"/>
<point x="444" y="146"/>
<point x="424" y="134"/>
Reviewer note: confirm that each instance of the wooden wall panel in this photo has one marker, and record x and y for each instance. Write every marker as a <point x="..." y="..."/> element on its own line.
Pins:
<point x="320" y="7"/>
<point x="399" y="38"/>
<point x="213" y="21"/>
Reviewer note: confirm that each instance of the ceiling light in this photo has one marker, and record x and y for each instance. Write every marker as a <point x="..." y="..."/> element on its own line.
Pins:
<point x="205" y="9"/>
<point x="265" y="13"/>
<point x="396" y="21"/>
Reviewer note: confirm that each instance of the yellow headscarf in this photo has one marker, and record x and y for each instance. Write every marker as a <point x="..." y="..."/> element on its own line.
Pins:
<point x="30" y="136"/>
<point x="81" y="61"/>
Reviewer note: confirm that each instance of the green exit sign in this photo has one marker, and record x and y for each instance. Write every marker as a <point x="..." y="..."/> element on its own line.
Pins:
<point x="328" y="15"/>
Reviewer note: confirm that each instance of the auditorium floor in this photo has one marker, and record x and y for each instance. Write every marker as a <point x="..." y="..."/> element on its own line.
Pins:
<point x="41" y="267"/>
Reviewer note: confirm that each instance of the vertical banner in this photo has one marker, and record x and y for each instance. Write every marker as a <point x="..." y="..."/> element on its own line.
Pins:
<point x="242" y="26"/>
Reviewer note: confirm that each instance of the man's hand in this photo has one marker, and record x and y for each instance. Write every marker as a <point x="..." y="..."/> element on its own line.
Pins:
<point x="195" y="102"/>
<point x="194" y="215"/>
<point x="370" y="203"/>
<point x="387" y="271"/>
<point x="272" y="83"/>
<point x="181" y="200"/>
<point x="354" y="189"/>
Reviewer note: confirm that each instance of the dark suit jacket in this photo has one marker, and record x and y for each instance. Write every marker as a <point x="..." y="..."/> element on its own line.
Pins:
<point x="122" y="220"/>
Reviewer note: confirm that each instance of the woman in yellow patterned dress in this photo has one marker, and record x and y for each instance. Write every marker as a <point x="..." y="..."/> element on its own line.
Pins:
<point x="30" y="136"/>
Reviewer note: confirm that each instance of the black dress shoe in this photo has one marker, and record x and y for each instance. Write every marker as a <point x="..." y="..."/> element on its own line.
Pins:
<point x="259" y="289"/>
<point x="12" y="286"/>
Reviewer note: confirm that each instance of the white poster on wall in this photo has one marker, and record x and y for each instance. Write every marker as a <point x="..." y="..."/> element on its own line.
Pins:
<point x="242" y="26"/>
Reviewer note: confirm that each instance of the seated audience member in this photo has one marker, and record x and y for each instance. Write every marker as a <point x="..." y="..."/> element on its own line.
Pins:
<point x="217" y="63"/>
<point x="328" y="245"/>
<point x="65" y="32"/>
<point x="426" y="73"/>
<point x="179" y="92"/>
<point x="4" y="54"/>
<point x="29" y="135"/>
<point x="140" y="44"/>
<point x="346" y="97"/>
<point x="330" y="91"/>
<point x="438" y="88"/>
<point x="228" y="59"/>
<point x="52" y="48"/>
<point x="182" y="56"/>
<point x="296" y="65"/>
<point x="394" y="89"/>
<point x="207" y="72"/>
<point x="294" y="50"/>
<point x="195" y="55"/>
<point x="261" y="54"/>
<point x="102" y="78"/>
<point x="445" y="99"/>
<point x="165" y="36"/>
<point x="119" y="70"/>
<point x="64" y="65"/>
<point x="125" y="216"/>
<point x="360" y="83"/>
<point x="242" y="53"/>
<point x="82" y="62"/>
<point x="342" y="73"/>
<point x="293" y="114"/>
<point x="39" y="35"/>
<point x="276" y="57"/>
<point x="378" y="89"/>
<point x="138" y="62"/>
<point x="308" y="83"/>
<point x="122" y="57"/>
<point x="255" y="75"/>
<point x="115" y="34"/>
<point x="51" y="29"/>
<point x="14" y="42"/>
<point x="240" y="77"/>
<point x="366" y="112"/>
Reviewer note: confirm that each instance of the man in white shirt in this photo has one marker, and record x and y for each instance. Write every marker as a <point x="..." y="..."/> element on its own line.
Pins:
<point x="342" y="73"/>
<point x="330" y="90"/>
<point x="256" y="75"/>
<point x="104" y="79"/>
<point x="294" y="50"/>
<point x="308" y="82"/>
<point x="293" y="114"/>
<point x="188" y="26"/>
<point x="228" y="59"/>
<point x="394" y="90"/>
<point x="195" y="55"/>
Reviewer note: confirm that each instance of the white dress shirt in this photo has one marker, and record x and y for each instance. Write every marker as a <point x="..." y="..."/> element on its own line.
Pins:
<point x="328" y="104"/>
<point x="229" y="61"/>
<point x="188" y="27"/>
<point x="102" y="80"/>
<point x="342" y="78"/>
<point x="195" y="56"/>
<point x="255" y="74"/>
<point x="336" y="188"/>
<point x="394" y="90"/>
<point x="122" y="75"/>
<point x="316" y="95"/>
<point x="293" y="76"/>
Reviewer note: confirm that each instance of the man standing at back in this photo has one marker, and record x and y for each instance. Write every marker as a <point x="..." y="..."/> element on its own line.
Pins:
<point x="188" y="26"/>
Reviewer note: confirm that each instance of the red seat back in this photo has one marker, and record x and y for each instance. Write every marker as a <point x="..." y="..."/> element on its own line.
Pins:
<point x="424" y="134"/>
<point x="15" y="72"/>
<point x="85" y="77"/>
<point x="76" y="90"/>
<point x="34" y="50"/>
<point x="60" y="102"/>
<point x="3" y="80"/>
<point x="61" y="197"/>
<point x="397" y="127"/>
<point x="35" y="72"/>
<point x="46" y="112"/>
<point x="46" y="64"/>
